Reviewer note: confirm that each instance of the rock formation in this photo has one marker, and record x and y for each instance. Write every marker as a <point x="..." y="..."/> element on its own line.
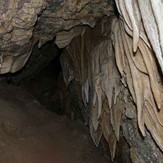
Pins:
<point x="112" y="49"/>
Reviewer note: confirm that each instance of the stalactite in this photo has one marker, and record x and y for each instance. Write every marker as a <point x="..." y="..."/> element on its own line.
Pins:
<point x="145" y="76"/>
<point x="106" y="90"/>
<point x="118" y="63"/>
<point x="129" y="49"/>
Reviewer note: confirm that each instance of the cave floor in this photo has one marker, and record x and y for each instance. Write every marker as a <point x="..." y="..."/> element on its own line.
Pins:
<point x="29" y="133"/>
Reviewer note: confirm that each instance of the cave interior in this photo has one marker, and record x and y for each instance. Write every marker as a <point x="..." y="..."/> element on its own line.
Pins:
<point x="81" y="81"/>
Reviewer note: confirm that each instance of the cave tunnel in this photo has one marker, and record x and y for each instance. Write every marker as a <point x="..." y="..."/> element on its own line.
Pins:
<point x="81" y="81"/>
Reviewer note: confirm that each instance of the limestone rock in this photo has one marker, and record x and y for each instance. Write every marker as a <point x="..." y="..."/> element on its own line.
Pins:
<point x="116" y="56"/>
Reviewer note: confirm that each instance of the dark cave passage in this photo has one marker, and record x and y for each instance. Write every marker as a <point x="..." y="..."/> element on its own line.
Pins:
<point x="42" y="106"/>
<point x="48" y="87"/>
<point x="45" y="86"/>
<point x="42" y="77"/>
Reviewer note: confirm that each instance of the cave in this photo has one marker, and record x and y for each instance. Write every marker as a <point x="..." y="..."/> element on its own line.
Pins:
<point x="81" y="81"/>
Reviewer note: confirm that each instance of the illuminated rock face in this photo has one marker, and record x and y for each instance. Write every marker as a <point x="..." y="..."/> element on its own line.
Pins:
<point x="118" y="64"/>
<point x="23" y="23"/>
<point x="17" y="22"/>
<point x="116" y="86"/>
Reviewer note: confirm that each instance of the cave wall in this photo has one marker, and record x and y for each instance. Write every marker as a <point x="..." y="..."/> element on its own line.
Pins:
<point x="93" y="60"/>
<point x="112" y="50"/>
<point x="136" y="47"/>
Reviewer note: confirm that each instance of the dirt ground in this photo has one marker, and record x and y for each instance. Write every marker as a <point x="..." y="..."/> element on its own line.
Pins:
<point x="29" y="133"/>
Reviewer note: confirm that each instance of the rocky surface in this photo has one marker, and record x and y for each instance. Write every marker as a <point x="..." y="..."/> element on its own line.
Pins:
<point x="25" y="23"/>
<point x="91" y="60"/>
<point x="112" y="51"/>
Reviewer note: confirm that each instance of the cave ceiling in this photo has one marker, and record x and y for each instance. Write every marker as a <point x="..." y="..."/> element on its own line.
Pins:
<point x="23" y="23"/>
<point x="114" y="49"/>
